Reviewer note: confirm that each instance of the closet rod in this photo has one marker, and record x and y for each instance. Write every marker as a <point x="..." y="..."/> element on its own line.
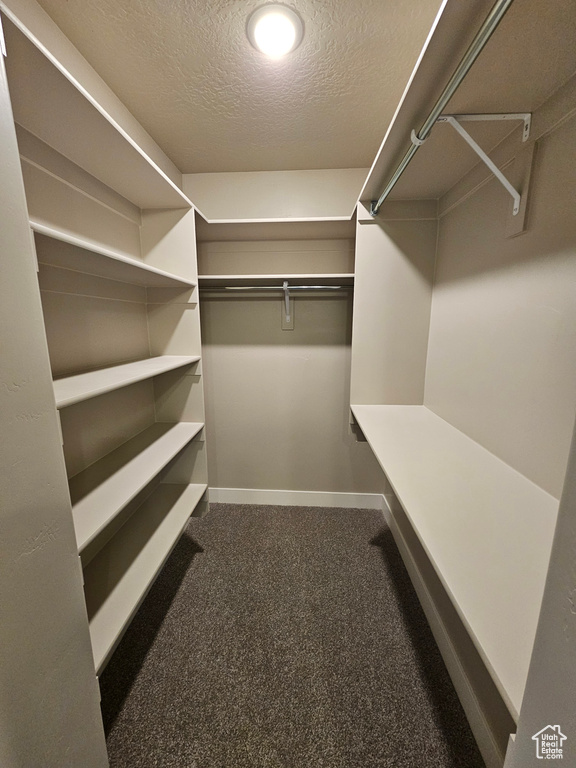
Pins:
<point x="276" y="288"/>
<point x="477" y="45"/>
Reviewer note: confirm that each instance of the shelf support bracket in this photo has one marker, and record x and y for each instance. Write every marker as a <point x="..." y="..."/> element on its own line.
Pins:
<point x="455" y="120"/>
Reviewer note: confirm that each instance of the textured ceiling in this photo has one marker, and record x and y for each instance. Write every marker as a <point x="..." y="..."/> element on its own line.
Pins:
<point x="186" y="71"/>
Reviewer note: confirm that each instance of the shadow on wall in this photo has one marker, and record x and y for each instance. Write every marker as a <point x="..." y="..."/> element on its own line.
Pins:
<point x="117" y="679"/>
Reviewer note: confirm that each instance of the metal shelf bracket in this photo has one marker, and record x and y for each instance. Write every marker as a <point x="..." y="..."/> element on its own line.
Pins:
<point x="286" y="290"/>
<point x="455" y="120"/>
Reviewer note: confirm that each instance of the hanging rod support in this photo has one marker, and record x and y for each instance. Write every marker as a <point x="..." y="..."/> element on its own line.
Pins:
<point x="526" y="118"/>
<point x="451" y="120"/>
<point x="474" y="50"/>
<point x="286" y="290"/>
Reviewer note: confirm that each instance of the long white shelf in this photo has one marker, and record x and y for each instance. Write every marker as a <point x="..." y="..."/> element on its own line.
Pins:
<point x="83" y="386"/>
<point x="327" y="278"/>
<point x="55" y="107"/>
<point x="94" y="259"/>
<point x="486" y="528"/>
<point x="102" y="490"/>
<point x="118" y="578"/>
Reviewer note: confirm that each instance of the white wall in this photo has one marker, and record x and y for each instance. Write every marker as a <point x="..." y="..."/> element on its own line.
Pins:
<point x="393" y="290"/>
<point x="502" y="353"/>
<point x="278" y="401"/>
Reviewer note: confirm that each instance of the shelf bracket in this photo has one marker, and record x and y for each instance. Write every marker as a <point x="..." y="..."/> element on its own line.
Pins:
<point x="286" y="290"/>
<point x="455" y="120"/>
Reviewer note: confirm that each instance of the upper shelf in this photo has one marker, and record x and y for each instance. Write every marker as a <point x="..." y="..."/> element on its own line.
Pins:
<point x="54" y="107"/>
<point x="62" y="249"/>
<point x="504" y="79"/>
<point x="83" y="386"/>
<point x="214" y="281"/>
<point x="486" y="528"/>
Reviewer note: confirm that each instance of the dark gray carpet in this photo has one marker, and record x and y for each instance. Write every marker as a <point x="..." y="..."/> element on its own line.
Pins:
<point x="281" y="637"/>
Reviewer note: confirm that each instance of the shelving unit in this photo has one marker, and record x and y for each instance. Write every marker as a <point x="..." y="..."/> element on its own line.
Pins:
<point x="215" y="281"/>
<point x="90" y="258"/>
<point x="116" y="246"/>
<point x="103" y="489"/>
<point x="58" y="109"/>
<point x="132" y="561"/>
<point x="82" y="386"/>
<point x="445" y="159"/>
<point x="450" y="357"/>
<point x="479" y="521"/>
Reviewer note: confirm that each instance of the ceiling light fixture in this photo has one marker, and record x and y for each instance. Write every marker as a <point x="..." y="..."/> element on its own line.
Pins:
<point x="275" y="30"/>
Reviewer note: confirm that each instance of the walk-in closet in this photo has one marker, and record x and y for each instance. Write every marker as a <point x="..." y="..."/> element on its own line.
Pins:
<point x="287" y="384"/>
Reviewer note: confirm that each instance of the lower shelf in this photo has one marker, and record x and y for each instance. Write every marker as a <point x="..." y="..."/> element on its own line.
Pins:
<point x="118" y="578"/>
<point x="486" y="529"/>
<point x="102" y="490"/>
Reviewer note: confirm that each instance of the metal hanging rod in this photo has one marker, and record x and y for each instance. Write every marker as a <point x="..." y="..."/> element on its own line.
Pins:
<point x="484" y="34"/>
<point x="276" y="288"/>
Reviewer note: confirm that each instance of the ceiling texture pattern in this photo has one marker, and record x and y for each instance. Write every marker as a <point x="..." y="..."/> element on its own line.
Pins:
<point x="187" y="72"/>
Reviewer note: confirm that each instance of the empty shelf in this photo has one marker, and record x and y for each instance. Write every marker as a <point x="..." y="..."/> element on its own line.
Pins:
<point x="486" y="528"/>
<point x="62" y="249"/>
<point x="102" y="490"/>
<point x="82" y="386"/>
<point x="331" y="278"/>
<point x="118" y="578"/>
<point x="53" y="106"/>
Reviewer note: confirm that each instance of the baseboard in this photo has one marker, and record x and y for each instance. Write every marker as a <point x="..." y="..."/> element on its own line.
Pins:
<point x="295" y="498"/>
<point x="489" y="719"/>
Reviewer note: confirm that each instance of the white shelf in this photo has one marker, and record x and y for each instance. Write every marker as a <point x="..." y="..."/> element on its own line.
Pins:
<point x="83" y="386"/>
<point x="486" y="528"/>
<point x="93" y="259"/>
<point x="56" y="108"/>
<point x="102" y="490"/>
<point x="118" y="578"/>
<point x="331" y="278"/>
<point x="523" y="84"/>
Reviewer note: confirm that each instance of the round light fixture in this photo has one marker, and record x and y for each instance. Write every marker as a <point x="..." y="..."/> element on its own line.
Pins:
<point x="275" y="30"/>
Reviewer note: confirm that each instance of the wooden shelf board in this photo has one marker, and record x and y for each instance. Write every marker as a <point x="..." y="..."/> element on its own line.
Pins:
<point x="93" y="259"/>
<point x="486" y="528"/>
<point x="83" y="386"/>
<point x="102" y="490"/>
<point x="293" y="279"/>
<point x="118" y="578"/>
<point x="53" y="106"/>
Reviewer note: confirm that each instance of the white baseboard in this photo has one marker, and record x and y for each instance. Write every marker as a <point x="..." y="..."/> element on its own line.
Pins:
<point x="295" y="498"/>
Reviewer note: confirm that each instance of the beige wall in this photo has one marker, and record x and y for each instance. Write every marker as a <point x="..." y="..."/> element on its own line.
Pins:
<point x="393" y="290"/>
<point x="502" y="352"/>
<point x="278" y="401"/>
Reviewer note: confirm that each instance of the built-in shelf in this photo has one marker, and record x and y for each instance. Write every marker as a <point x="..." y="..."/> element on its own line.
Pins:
<point x="102" y="490"/>
<point x="83" y="386"/>
<point x="83" y="255"/>
<point x="57" y="109"/>
<point x="522" y="85"/>
<point x="486" y="528"/>
<point x="118" y="578"/>
<point x="215" y="281"/>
